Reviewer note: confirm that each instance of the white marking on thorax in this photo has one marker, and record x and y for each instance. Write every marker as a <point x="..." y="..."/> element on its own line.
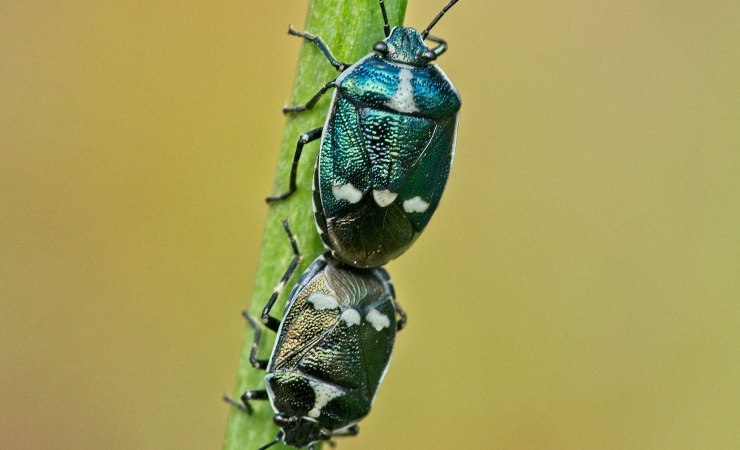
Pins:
<point x="403" y="98"/>
<point x="384" y="198"/>
<point x="322" y="301"/>
<point x="347" y="192"/>
<point x="324" y="393"/>
<point x="378" y="320"/>
<point x="351" y="317"/>
<point x="415" y="204"/>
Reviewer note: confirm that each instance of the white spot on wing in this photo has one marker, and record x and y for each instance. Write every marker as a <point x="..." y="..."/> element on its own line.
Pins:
<point x="322" y="301"/>
<point x="403" y="98"/>
<point x="384" y="198"/>
<point x="378" y="320"/>
<point x="416" y="204"/>
<point x="351" y="316"/>
<point x="324" y="393"/>
<point x="347" y="192"/>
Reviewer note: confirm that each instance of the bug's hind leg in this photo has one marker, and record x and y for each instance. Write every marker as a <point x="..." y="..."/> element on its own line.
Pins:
<point x="303" y="140"/>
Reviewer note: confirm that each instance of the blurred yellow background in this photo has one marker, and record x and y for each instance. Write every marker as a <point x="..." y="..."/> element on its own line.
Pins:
<point x="577" y="289"/>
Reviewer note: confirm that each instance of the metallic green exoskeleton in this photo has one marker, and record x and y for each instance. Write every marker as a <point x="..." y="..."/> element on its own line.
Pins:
<point x="332" y="350"/>
<point x="386" y="147"/>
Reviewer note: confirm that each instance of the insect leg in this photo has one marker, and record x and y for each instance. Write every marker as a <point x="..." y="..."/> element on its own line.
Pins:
<point x="275" y="441"/>
<point x="303" y="140"/>
<point x="257" y="364"/>
<point x="260" y="364"/>
<point x="315" y="40"/>
<point x="401" y="320"/>
<point x="311" y="103"/>
<point x="248" y="395"/>
<point x="441" y="47"/>
<point x="351" y="430"/>
<point x="269" y="321"/>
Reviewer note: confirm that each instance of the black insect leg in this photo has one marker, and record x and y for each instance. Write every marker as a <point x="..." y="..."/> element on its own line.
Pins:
<point x="401" y="319"/>
<point x="315" y="40"/>
<point x="441" y="45"/>
<point x="274" y="441"/>
<point x="351" y="430"/>
<point x="311" y="103"/>
<point x="303" y="140"/>
<point x="321" y="45"/>
<point x="260" y="364"/>
<point x="236" y="404"/>
<point x="269" y="321"/>
<point x="245" y="397"/>
<point x="253" y="395"/>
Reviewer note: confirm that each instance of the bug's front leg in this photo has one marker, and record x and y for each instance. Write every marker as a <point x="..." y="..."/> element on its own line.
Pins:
<point x="340" y="66"/>
<point x="318" y="42"/>
<point x="441" y="45"/>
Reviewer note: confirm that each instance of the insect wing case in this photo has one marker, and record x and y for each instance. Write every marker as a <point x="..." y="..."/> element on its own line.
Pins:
<point x="334" y="344"/>
<point x="385" y="157"/>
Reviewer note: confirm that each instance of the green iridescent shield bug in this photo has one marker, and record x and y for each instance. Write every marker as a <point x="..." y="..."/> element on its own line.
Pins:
<point x="332" y="350"/>
<point x="386" y="147"/>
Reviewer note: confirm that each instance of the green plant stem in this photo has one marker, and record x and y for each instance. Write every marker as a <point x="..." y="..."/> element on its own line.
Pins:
<point x="349" y="28"/>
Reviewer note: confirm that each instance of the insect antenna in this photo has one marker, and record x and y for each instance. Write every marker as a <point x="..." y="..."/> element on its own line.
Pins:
<point x="386" y="27"/>
<point x="425" y="33"/>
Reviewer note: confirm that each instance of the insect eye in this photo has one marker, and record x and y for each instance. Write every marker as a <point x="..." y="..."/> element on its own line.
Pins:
<point x="381" y="47"/>
<point x="430" y="55"/>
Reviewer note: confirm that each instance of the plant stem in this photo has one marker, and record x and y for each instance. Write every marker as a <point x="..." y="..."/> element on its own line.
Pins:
<point x="350" y="28"/>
